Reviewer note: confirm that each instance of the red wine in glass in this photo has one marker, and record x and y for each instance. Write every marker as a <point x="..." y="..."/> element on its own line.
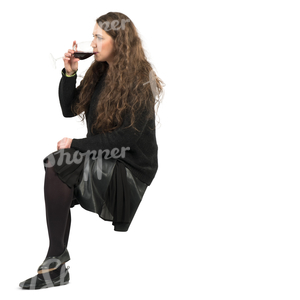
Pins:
<point x="83" y="55"/>
<point x="83" y="50"/>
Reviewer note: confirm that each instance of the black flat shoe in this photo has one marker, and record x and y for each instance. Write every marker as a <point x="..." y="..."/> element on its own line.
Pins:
<point x="53" y="262"/>
<point x="35" y="283"/>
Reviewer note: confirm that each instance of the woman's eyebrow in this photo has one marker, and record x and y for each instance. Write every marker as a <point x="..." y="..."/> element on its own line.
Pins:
<point x="97" y="34"/>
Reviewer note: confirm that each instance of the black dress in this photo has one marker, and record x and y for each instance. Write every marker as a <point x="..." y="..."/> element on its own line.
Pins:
<point x="117" y="197"/>
<point x="120" y="200"/>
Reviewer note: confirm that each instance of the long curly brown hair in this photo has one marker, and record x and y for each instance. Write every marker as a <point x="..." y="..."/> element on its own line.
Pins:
<point x="130" y="83"/>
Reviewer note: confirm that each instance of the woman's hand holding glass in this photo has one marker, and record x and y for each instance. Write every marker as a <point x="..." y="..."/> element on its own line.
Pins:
<point x="71" y="63"/>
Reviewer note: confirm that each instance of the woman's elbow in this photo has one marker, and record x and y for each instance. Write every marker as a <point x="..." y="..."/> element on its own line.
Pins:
<point x="68" y="113"/>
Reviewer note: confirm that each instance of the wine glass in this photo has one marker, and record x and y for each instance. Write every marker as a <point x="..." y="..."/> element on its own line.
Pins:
<point x="53" y="60"/>
<point x="83" y="50"/>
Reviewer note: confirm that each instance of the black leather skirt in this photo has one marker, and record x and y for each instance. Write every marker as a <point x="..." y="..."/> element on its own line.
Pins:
<point x="103" y="186"/>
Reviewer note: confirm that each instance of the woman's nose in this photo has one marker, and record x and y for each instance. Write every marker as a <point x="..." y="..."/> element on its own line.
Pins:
<point x="93" y="44"/>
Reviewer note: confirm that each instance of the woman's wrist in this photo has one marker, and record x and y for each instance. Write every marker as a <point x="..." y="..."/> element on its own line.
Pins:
<point x="70" y="74"/>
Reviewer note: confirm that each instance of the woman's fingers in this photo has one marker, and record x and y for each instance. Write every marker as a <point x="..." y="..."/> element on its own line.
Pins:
<point x="74" y="44"/>
<point x="70" y="61"/>
<point x="64" y="143"/>
<point x="68" y="55"/>
<point x="70" y="52"/>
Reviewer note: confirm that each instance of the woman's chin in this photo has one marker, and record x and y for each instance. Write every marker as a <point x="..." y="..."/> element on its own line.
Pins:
<point x="97" y="58"/>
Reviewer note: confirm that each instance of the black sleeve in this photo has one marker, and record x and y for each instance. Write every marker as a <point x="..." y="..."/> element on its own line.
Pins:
<point x="118" y="138"/>
<point x="68" y="94"/>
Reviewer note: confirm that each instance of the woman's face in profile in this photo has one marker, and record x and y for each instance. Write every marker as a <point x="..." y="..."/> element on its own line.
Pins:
<point x="103" y="44"/>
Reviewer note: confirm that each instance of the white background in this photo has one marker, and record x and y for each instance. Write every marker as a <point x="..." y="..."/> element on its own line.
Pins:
<point x="221" y="218"/>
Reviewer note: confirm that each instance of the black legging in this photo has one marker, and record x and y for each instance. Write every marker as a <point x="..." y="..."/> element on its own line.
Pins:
<point x="58" y="199"/>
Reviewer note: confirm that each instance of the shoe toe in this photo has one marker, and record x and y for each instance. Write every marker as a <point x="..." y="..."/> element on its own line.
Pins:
<point x="36" y="282"/>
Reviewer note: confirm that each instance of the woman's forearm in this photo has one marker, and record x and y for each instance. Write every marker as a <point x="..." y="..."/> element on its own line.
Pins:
<point x="68" y="94"/>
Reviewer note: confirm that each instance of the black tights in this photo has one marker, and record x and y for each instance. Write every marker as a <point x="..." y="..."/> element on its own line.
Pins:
<point x="58" y="199"/>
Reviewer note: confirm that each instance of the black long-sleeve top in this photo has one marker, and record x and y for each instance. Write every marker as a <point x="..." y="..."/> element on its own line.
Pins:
<point x="140" y="147"/>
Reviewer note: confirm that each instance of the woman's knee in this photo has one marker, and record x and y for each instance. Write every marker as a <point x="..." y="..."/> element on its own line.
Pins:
<point x="49" y="161"/>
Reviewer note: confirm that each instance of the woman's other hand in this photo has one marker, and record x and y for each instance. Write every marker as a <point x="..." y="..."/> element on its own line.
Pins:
<point x="64" y="143"/>
<point x="71" y="63"/>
